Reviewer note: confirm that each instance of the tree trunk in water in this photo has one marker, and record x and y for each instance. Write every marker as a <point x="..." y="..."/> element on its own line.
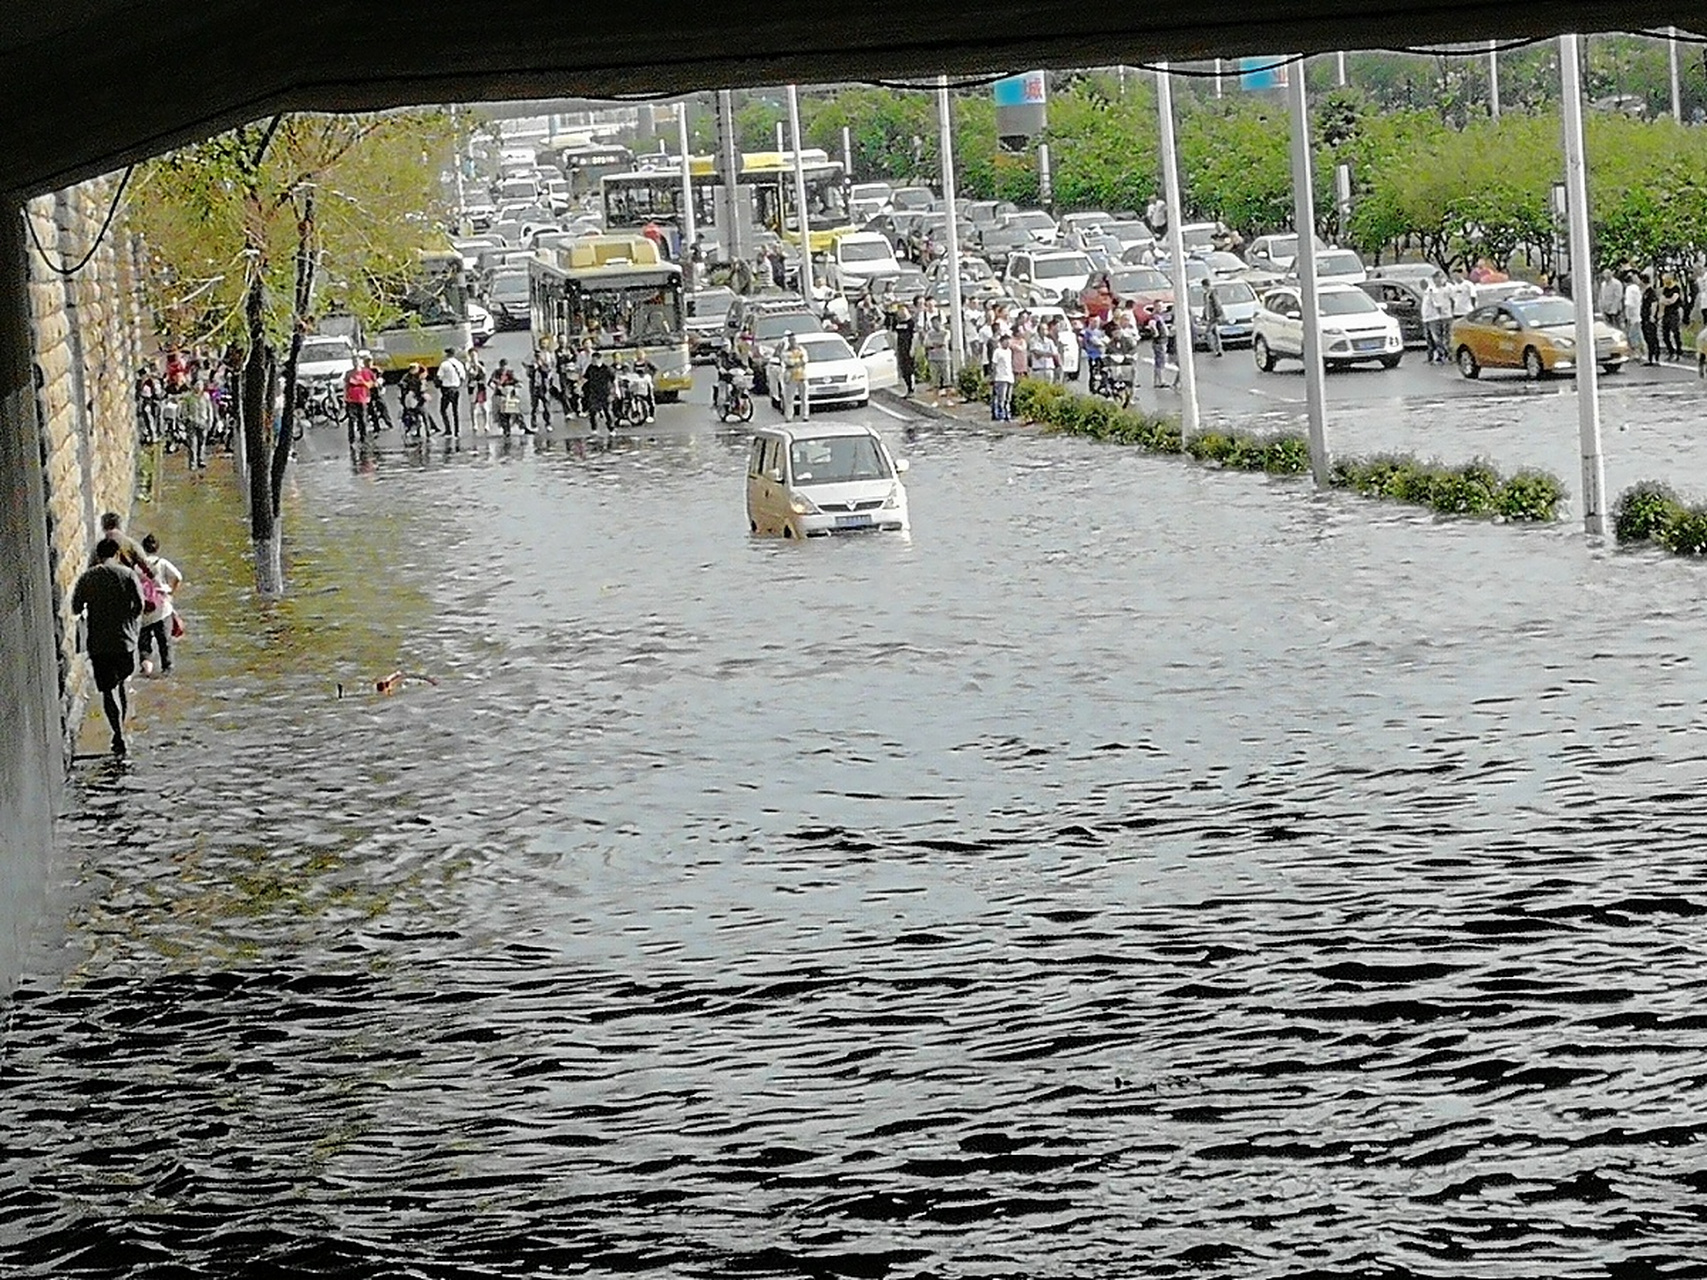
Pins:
<point x="258" y="447"/>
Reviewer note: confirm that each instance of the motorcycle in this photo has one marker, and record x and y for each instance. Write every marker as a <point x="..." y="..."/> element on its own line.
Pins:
<point x="508" y="406"/>
<point x="732" y="396"/>
<point x="1112" y="377"/>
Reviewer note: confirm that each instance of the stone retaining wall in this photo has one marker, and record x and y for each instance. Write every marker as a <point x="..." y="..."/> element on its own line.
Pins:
<point x="88" y="344"/>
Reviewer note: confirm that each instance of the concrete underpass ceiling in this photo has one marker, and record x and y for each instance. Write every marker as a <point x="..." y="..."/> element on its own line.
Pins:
<point x="93" y="84"/>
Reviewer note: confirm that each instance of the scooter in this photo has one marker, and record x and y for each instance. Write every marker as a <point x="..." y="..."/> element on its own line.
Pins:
<point x="732" y="396"/>
<point x="508" y="406"/>
<point x="1112" y="377"/>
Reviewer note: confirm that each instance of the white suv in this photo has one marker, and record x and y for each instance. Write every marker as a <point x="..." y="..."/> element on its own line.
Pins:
<point x="1354" y="328"/>
<point x="1047" y="278"/>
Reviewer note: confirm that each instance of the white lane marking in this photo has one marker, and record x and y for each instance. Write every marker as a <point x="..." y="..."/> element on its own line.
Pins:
<point x="899" y="417"/>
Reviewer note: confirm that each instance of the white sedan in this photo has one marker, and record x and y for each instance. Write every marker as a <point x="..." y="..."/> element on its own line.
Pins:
<point x="834" y="374"/>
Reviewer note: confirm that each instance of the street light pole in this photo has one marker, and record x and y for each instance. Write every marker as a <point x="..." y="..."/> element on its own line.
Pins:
<point x="1494" y="79"/>
<point x="800" y="195"/>
<point x="1676" y="96"/>
<point x="690" y="229"/>
<point x="1176" y="254"/>
<point x="1304" y="226"/>
<point x="956" y="323"/>
<point x="1339" y="61"/>
<point x="1582" y="290"/>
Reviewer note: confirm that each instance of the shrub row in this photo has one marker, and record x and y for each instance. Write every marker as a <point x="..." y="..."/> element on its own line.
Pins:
<point x="1469" y="489"/>
<point x="1651" y="512"/>
<point x="1472" y="489"/>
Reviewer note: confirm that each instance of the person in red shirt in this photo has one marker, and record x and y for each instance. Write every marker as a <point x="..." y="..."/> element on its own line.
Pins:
<point x="177" y="372"/>
<point x="359" y="390"/>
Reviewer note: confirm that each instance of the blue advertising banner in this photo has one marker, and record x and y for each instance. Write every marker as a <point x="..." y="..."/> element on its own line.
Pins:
<point x="1262" y="73"/>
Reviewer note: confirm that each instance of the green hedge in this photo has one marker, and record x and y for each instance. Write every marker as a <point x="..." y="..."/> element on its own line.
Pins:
<point x="1652" y="512"/>
<point x="1472" y="489"/>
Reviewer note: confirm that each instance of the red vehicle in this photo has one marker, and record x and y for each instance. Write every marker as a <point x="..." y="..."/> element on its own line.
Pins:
<point x="1144" y="285"/>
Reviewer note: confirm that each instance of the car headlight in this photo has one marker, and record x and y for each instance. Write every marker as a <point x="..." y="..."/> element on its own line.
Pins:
<point x="1564" y="343"/>
<point x="893" y="501"/>
<point x="803" y="506"/>
<point x="1328" y="332"/>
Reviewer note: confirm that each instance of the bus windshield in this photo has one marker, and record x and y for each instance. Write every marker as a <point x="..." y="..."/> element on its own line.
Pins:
<point x="626" y="315"/>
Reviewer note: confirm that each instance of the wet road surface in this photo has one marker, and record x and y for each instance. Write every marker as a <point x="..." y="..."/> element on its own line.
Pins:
<point x="1139" y="871"/>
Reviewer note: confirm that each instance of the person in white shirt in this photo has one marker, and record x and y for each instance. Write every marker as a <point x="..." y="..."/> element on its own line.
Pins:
<point x="156" y="621"/>
<point x="451" y="375"/>
<point x="1632" y="301"/>
<point x="1001" y="381"/>
<point x="1069" y="344"/>
<point x="1609" y="301"/>
<point x="1463" y="295"/>
<point x="1437" y="317"/>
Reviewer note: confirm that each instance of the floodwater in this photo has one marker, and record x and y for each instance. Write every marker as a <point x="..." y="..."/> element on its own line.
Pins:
<point x="1142" y="871"/>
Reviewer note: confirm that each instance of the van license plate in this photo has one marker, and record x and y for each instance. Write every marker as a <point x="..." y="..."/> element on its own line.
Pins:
<point x="852" y="522"/>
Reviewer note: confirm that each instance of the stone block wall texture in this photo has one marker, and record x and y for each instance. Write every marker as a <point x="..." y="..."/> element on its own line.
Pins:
<point x="87" y="331"/>
<point x="69" y="346"/>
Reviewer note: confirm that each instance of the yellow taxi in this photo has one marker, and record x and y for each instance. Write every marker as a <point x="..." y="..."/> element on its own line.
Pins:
<point x="1536" y="334"/>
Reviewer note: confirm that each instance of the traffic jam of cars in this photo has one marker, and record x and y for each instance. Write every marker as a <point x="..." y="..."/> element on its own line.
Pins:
<point x="1089" y="265"/>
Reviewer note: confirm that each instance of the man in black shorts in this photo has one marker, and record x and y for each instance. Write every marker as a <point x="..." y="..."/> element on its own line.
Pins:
<point x="110" y="599"/>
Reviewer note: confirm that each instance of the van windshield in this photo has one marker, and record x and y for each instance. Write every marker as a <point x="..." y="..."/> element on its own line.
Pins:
<point x="837" y="460"/>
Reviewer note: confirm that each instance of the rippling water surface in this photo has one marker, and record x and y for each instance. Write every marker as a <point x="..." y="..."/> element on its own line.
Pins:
<point x="1141" y="872"/>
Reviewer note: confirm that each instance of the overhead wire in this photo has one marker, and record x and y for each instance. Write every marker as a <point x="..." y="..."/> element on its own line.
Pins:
<point x="59" y="268"/>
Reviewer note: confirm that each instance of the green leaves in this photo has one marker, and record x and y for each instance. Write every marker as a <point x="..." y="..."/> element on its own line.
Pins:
<point x="210" y="216"/>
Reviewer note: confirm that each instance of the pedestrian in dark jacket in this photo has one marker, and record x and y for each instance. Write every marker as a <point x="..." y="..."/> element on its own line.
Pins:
<point x="109" y="598"/>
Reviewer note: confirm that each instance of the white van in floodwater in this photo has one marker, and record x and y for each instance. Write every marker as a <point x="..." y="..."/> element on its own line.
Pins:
<point x="809" y="480"/>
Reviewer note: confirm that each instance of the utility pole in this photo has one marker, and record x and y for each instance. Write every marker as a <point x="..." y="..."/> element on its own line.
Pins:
<point x="1176" y="254"/>
<point x="1304" y="225"/>
<point x="800" y="195"/>
<point x="733" y="242"/>
<point x="1494" y="79"/>
<point x="1339" y="63"/>
<point x="1676" y="96"/>
<point x="1582" y="289"/>
<point x="956" y="322"/>
<point x="690" y="231"/>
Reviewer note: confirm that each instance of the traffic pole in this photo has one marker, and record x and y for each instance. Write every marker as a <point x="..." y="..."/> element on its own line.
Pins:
<point x="1176" y="255"/>
<point x="956" y="324"/>
<point x="847" y="154"/>
<point x="1339" y="65"/>
<point x="800" y="194"/>
<point x="1494" y="79"/>
<point x="1304" y="224"/>
<point x="1582" y="289"/>
<point x="690" y="227"/>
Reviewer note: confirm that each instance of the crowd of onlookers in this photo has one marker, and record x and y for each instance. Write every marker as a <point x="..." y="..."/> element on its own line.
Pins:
<point x="1654" y="307"/>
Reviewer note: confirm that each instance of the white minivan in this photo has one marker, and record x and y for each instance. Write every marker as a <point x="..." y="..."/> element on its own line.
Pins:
<point x="809" y="480"/>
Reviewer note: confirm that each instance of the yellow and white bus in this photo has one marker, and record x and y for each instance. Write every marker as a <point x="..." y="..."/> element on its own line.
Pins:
<point x="631" y="200"/>
<point x="435" y="315"/>
<point x="618" y="293"/>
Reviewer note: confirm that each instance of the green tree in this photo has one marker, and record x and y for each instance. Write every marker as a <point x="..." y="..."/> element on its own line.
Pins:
<point x="253" y="231"/>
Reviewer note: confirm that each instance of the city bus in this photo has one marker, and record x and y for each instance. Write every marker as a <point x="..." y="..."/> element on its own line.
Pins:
<point x="618" y="292"/>
<point x="585" y="164"/>
<point x="434" y="303"/>
<point x="633" y="199"/>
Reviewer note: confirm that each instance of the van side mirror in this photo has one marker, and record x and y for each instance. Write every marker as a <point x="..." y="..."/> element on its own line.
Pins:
<point x="774" y="475"/>
<point x="900" y="466"/>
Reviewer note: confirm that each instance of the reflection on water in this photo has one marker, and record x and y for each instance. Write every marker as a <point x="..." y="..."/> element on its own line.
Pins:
<point x="1141" y="871"/>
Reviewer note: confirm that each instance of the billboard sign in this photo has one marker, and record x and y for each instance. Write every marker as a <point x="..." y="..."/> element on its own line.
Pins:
<point x="1020" y="108"/>
<point x="1262" y="73"/>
